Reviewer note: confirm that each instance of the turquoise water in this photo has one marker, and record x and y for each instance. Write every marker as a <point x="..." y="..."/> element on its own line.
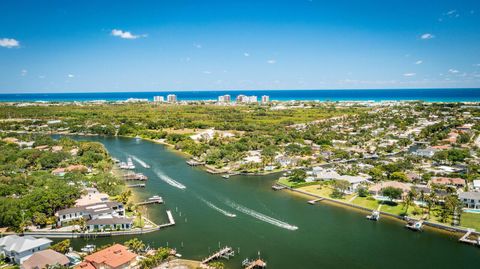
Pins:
<point x="472" y="211"/>
<point x="284" y="228"/>
<point x="430" y="95"/>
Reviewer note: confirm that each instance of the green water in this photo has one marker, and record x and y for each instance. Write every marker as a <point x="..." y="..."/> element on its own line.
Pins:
<point x="327" y="236"/>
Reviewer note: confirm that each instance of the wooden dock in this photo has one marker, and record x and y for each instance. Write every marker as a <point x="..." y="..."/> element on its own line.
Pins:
<point x="414" y="225"/>
<point x="259" y="263"/>
<point x="278" y="187"/>
<point x="136" y="186"/>
<point x="225" y="252"/>
<point x="466" y="238"/>
<point x="135" y="176"/>
<point x="192" y="162"/>
<point x="312" y="202"/>
<point x="153" y="200"/>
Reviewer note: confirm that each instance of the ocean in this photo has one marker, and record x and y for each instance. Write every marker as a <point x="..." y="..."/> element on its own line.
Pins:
<point x="428" y="95"/>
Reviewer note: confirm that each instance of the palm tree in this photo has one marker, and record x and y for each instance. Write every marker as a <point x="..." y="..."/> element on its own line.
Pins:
<point x="409" y="198"/>
<point x="431" y="200"/>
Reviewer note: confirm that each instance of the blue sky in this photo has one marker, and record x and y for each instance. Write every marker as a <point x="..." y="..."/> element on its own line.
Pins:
<point x="83" y="46"/>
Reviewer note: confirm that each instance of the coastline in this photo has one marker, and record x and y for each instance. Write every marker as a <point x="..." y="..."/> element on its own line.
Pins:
<point x="280" y="95"/>
<point x="431" y="225"/>
<point x="435" y="227"/>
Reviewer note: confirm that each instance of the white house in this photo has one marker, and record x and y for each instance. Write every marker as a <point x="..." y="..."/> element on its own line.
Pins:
<point x="19" y="248"/>
<point x="470" y="199"/>
<point x="111" y="214"/>
<point x="476" y="184"/>
<point x="320" y="173"/>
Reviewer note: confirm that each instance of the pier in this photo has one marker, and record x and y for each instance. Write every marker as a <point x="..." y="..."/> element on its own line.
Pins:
<point x="312" y="202"/>
<point x="225" y="252"/>
<point x="258" y="263"/>
<point x="192" y="162"/>
<point x="152" y="200"/>
<point x="466" y="238"/>
<point x="414" y="225"/>
<point x="278" y="187"/>
<point x="135" y="176"/>
<point x="136" y="185"/>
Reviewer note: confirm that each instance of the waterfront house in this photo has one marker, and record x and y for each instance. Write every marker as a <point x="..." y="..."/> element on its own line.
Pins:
<point x="47" y="258"/>
<point x="112" y="215"/>
<point x="470" y="199"/>
<point x="319" y="173"/>
<point x="446" y="181"/>
<point x="92" y="196"/>
<point x="113" y="223"/>
<point x="19" y="248"/>
<point x="377" y="188"/>
<point x="114" y="257"/>
<point x="476" y="184"/>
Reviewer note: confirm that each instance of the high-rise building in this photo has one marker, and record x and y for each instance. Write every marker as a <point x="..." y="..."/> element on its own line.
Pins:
<point x="265" y="99"/>
<point x="171" y="98"/>
<point x="158" y="99"/>
<point x="241" y="98"/>
<point x="246" y="99"/>
<point x="224" y="98"/>
<point x="252" y="99"/>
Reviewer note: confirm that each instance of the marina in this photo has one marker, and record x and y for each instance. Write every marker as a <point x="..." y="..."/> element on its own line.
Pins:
<point x="127" y="165"/>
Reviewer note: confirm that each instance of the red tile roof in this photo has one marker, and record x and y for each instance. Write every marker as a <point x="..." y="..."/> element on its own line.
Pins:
<point x="448" y="181"/>
<point x="113" y="256"/>
<point x="84" y="265"/>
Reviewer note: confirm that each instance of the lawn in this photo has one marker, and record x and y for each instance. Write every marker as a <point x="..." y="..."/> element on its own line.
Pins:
<point x="323" y="191"/>
<point x="284" y="181"/>
<point x="470" y="220"/>
<point x="363" y="201"/>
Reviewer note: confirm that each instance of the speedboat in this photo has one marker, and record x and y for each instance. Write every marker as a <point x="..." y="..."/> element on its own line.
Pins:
<point x="88" y="248"/>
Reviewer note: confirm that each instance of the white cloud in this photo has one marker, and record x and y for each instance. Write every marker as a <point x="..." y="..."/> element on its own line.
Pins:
<point x="24" y="72"/>
<point x="272" y="61"/>
<point x="246" y="54"/>
<point x="198" y="46"/>
<point x="453" y="71"/>
<point x="70" y="75"/>
<point x="41" y="77"/>
<point x="409" y="74"/>
<point x="427" y="36"/>
<point x="125" y="34"/>
<point x="207" y="72"/>
<point x="9" y="43"/>
<point x="478" y="65"/>
<point x="419" y="62"/>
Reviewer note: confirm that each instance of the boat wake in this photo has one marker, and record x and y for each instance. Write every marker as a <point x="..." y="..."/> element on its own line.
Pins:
<point x="261" y="216"/>
<point x="224" y="212"/>
<point x="170" y="181"/>
<point x="142" y="163"/>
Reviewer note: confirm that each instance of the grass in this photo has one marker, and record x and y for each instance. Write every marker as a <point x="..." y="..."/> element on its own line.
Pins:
<point x="470" y="220"/>
<point x="139" y="222"/>
<point x="323" y="191"/>
<point x="284" y="181"/>
<point x="365" y="202"/>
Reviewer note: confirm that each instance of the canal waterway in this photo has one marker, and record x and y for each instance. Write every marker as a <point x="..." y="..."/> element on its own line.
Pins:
<point x="245" y="213"/>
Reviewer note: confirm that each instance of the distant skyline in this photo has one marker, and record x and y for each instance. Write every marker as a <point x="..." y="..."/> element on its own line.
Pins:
<point x="104" y="46"/>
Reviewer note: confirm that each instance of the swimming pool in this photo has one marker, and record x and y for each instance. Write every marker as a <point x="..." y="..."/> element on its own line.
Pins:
<point x="470" y="210"/>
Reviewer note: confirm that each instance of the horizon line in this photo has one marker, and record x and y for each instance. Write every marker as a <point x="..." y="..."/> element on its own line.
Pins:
<point x="247" y="90"/>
